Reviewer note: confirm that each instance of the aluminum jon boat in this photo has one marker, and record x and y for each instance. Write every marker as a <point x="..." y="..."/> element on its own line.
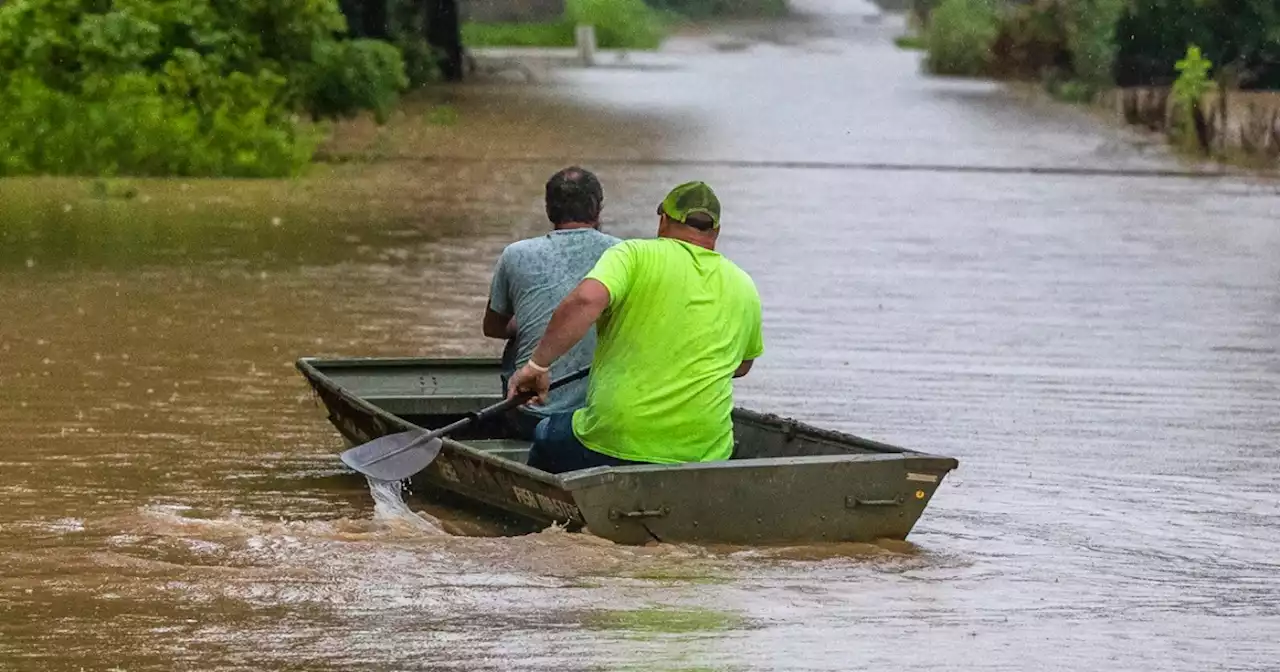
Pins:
<point x="787" y="482"/>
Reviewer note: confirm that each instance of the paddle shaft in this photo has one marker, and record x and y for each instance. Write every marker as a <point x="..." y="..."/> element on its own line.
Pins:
<point x="500" y="407"/>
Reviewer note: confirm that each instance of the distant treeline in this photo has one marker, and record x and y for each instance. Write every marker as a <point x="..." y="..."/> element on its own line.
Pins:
<point x="1098" y="43"/>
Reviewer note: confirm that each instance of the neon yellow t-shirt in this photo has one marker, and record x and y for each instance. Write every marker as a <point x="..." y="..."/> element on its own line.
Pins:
<point x="681" y="319"/>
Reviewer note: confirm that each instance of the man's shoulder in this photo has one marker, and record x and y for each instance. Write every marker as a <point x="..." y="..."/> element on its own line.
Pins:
<point x="549" y="244"/>
<point x="595" y="239"/>
<point x="525" y="246"/>
<point x="639" y="244"/>
<point x="528" y="251"/>
<point x="744" y="279"/>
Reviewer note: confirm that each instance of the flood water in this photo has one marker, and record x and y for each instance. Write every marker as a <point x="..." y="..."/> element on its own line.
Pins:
<point x="1099" y="348"/>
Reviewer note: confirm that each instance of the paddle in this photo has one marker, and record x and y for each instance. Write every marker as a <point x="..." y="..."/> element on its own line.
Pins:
<point x="396" y="457"/>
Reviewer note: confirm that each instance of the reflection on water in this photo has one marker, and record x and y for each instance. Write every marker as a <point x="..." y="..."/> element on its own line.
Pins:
<point x="1101" y="353"/>
<point x="370" y="214"/>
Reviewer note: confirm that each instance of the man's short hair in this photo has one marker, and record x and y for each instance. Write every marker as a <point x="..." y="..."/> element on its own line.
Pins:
<point x="574" y="195"/>
<point x="700" y="221"/>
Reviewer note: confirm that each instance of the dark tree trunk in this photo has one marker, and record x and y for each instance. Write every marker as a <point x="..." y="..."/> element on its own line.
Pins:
<point x="445" y="33"/>
<point x="375" y="20"/>
<point x="367" y="18"/>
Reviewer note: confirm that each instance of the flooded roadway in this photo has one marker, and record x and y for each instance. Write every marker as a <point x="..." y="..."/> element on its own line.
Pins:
<point x="1100" y="351"/>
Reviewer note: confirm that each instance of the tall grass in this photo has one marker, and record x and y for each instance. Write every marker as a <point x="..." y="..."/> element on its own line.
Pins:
<point x="558" y="34"/>
<point x="619" y="24"/>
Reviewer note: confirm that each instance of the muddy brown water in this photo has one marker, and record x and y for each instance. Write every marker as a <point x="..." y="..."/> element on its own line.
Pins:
<point x="1102" y="353"/>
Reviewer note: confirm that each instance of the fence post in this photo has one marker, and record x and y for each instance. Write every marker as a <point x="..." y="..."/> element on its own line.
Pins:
<point x="585" y="37"/>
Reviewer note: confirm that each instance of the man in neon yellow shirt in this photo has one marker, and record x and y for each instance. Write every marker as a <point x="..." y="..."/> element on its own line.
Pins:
<point x="676" y="322"/>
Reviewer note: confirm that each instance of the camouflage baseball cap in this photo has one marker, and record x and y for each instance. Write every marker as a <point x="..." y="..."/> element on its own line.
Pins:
<point x="691" y="198"/>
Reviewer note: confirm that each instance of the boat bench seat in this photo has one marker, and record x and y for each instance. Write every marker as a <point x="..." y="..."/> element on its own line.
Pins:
<point x="416" y="404"/>
<point x="511" y="449"/>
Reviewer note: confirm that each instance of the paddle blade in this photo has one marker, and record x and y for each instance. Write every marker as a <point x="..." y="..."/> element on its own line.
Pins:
<point x="394" y="457"/>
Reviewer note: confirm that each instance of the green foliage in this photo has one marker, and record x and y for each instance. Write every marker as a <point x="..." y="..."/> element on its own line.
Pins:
<point x="354" y="75"/>
<point x="441" y="115"/>
<point x="1058" y="40"/>
<point x="1193" y="77"/>
<point x="181" y="87"/>
<point x="911" y="42"/>
<point x="1082" y="46"/>
<point x="1188" y="90"/>
<point x="1091" y="39"/>
<point x="135" y="123"/>
<point x="619" y="24"/>
<point x="960" y="35"/>
<point x="558" y="34"/>
<point x="1070" y="90"/>
<point x="408" y="29"/>
<point x="1241" y="36"/>
<point x="1032" y="41"/>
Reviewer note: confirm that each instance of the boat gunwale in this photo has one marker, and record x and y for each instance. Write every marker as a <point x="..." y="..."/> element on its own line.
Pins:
<point x="583" y="478"/>
<point x="797" y="427"/>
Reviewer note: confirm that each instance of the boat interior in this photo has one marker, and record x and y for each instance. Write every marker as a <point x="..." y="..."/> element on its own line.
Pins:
<point x="433" y="393"/>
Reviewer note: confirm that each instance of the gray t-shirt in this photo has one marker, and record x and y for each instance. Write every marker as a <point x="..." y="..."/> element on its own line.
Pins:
<point x="531" y="278"/>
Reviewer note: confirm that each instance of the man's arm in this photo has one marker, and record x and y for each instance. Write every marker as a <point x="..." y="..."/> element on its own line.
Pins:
<point x="499" y="312"/>
<point x="498" y="325"/>
<point x="755" y="343"/>
<point x="571" y="321"/>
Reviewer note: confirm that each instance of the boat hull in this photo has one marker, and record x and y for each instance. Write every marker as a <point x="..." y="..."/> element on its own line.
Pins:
<point x="787" y="483"/>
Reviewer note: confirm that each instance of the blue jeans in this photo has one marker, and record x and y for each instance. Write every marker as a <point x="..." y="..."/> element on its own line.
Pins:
<point x="556" y="449"/>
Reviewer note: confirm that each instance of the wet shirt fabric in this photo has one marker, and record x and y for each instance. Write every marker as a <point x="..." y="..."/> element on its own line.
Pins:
<point x="530" y="279"/>
<point x="681" y="319"/>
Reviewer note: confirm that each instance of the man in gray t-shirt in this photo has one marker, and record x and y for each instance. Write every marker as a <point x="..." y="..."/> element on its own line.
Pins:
<point x="531" y="278"/>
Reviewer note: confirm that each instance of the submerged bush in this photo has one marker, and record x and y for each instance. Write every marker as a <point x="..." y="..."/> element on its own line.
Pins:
<point x="1083" y="46"/>
<point x="960" y="35"/>
<point x="1032" y="42"/>
<point x="187" y="87"/>
<point x="1069" y="43"/>
<point x="355" y="75"/>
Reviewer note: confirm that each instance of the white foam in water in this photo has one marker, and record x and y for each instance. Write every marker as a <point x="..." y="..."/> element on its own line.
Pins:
<point x="389" y="506"/>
